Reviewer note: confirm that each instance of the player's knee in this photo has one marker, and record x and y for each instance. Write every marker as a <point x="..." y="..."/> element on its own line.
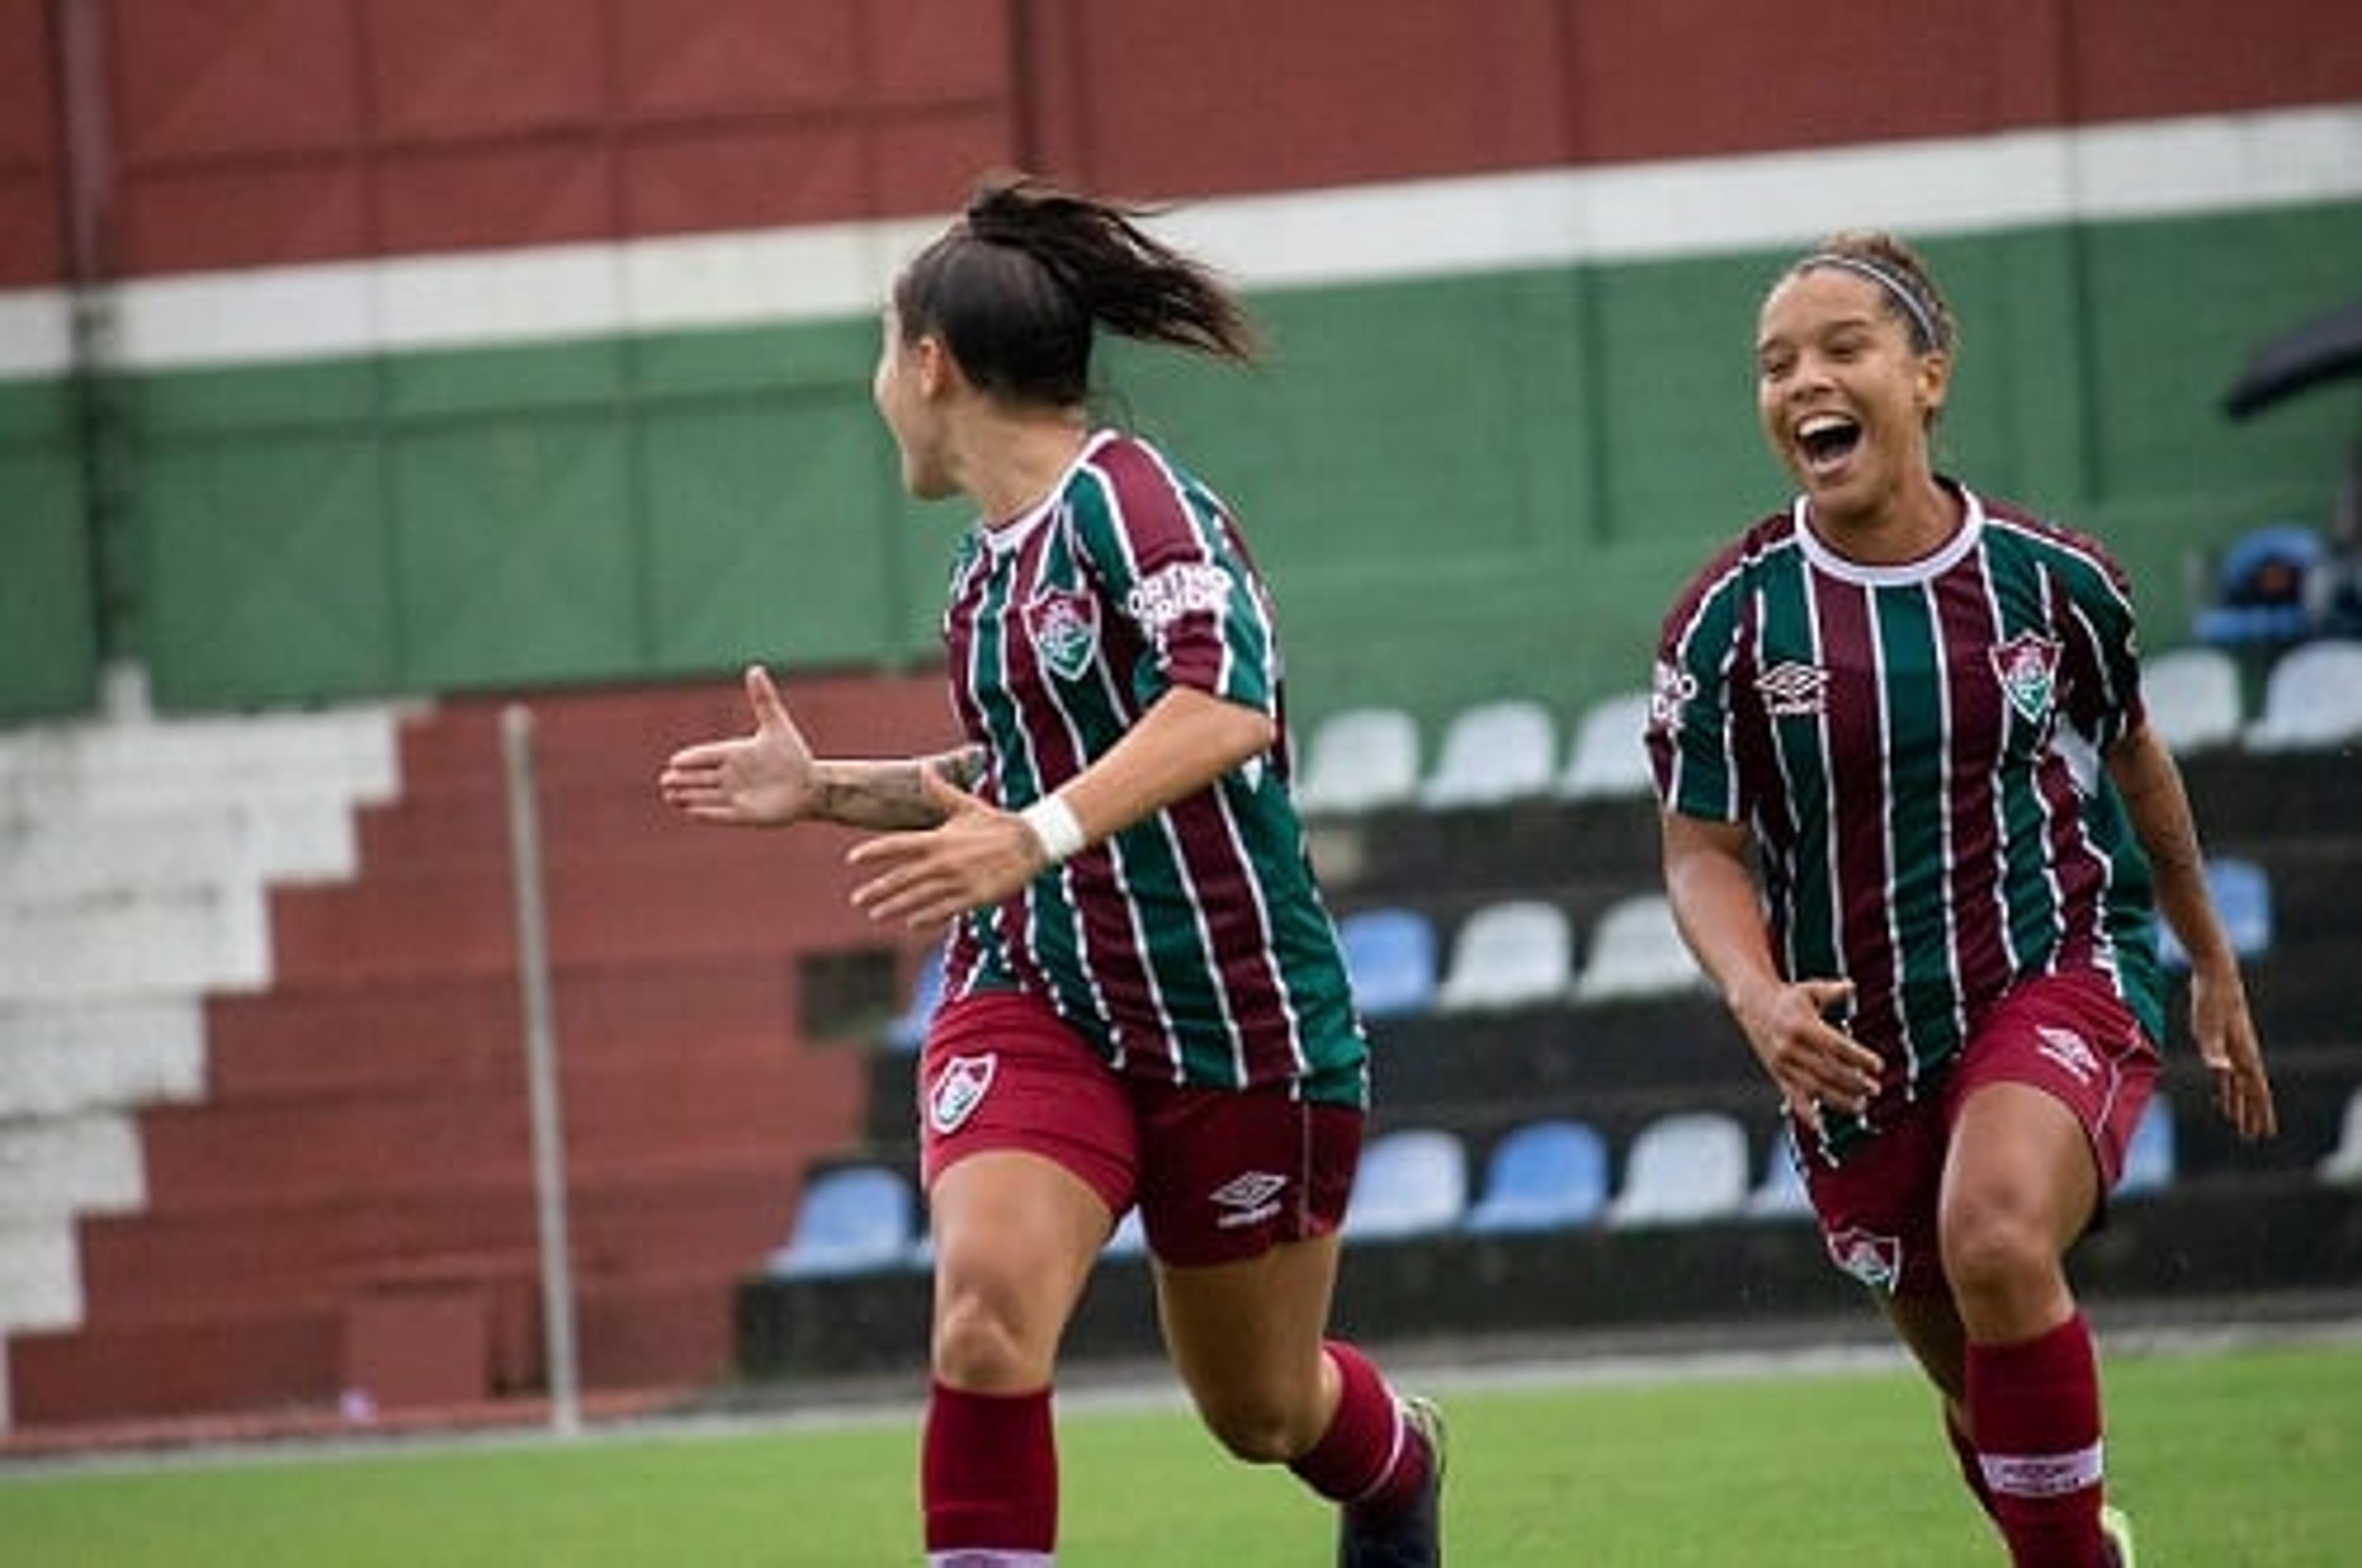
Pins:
<point x="1996" y="1248"/>
<point x="980" y="1344"/>
<point x="1257" y="1429"/>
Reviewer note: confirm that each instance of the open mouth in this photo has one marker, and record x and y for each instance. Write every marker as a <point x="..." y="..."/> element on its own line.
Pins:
<point x="1826" y="440"/>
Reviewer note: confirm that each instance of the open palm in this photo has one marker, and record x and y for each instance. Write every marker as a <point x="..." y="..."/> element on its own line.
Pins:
<point x="763" y="779"/>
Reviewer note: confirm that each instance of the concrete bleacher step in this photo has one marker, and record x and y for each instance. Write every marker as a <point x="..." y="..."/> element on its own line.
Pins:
<point x="61" y="1059"/>
<point x="40" y="1277"/>
<point x="722" y="1215"/>
<point x="408" y="1035"/>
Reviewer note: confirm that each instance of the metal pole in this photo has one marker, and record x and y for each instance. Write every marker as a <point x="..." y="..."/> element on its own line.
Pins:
<point x="541" y="1073"/>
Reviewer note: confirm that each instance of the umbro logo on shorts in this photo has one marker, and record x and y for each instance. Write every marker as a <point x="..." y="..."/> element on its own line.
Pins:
<point x="960" y="1088"/>
<point x="2070" y="1051"/>
<point x="1247" y="1197"/>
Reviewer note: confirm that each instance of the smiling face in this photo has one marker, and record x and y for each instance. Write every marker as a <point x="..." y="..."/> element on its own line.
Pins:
<point x="1846" y="400"/>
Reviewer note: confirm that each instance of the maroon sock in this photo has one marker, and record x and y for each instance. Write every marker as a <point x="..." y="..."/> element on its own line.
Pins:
<point x="2035" y="1408"/>
<point x="989" y="1472"/>
<point x="1972" y="1470"/>
<point x="1370" y="1457"/>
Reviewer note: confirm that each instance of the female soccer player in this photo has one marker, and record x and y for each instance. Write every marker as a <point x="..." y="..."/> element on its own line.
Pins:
<point x="1144" y="1000"/>
<point x="1920" y="711"/>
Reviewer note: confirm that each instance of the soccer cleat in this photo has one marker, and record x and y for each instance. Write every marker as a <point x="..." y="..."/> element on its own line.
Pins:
<point x="2116" y="1530"/>
<point x="1412" y="1537"/>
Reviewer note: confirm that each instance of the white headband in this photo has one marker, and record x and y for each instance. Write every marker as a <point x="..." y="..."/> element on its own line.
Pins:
<point x="1905" y="295"/>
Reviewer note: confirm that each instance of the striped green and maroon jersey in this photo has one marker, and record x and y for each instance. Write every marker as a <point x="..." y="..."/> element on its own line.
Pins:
<point x="1193" y="946"/>
<point x="1917" y="751"/>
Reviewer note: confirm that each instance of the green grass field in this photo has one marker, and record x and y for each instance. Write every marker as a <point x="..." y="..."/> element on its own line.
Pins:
<point x="2251" y="1456"/>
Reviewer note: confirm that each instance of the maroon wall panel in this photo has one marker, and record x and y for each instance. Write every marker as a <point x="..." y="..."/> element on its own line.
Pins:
<point x="734" y="58"/>
<point x="2152" y="58"/>
<point x="199" y="77"/>
<point x="460" y="70"/>
<point x="1180" y="98"/>
<point x="32" y="249"/>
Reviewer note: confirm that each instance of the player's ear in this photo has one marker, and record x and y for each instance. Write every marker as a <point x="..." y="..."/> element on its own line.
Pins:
<point x="1932" y="376"/>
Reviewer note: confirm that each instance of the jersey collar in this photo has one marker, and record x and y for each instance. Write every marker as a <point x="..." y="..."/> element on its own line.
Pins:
<point x="1927" y="567"/>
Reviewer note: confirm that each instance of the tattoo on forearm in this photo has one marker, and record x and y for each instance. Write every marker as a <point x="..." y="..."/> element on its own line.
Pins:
<point x="889" y="794"/>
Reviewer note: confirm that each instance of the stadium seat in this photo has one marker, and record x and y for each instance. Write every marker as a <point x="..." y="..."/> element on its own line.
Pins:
<point x="1544" y="1175"/>
<point x="2312" y="699"/>
<point x="1682" y="1167"/>
<point x="2343" y="1164"/>
<point x="1609" y="759"/>
<point x="1636" y="950"/>
<point x="852" y="1220"/>
<point x="1509" y="955"/>
<point x="2243" y="898"/>
<point x="1129" y="1240"/>
<point x="1359" y="760"/>
<point x="1413" y="1182"/>
<point x="2148" y="1158"/>
<point x="2259" y="592"/>
<point x="907" y="1030"/>
<point x="1493" y="753"/>
<point x="1781" y="1191"/>
<point x="2193" y="696"/>
<point x="1390" y="958"/>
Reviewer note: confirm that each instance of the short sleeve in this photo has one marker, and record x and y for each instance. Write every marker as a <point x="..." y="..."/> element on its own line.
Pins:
<point x="1691" y="751"/>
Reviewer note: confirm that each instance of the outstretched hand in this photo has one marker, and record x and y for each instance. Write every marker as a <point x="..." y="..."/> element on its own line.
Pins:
<point x="978" y="855"/>
<point x="763" y="779"/>
<point x="1813" y="1061"/>
<point x="2226" y="1033"/>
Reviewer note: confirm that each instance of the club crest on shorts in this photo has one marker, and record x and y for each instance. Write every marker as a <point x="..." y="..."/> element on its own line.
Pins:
<point x="1873" y="1259"/>
<point x="1064" y="628"/>
<point x="2027" y="667"/>
<point x="958" y="1090"/>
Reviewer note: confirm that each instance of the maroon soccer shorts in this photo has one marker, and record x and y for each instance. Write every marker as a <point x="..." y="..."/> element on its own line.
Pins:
<point x="1219" y="1174"/>
<point x="2065" y="1035"/>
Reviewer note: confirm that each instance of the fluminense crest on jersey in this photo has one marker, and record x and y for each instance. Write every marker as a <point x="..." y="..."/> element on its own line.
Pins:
<point x="1065" y="628"/>
<point x="960" y="1088"/>
<point x="1793" y="691"/>
<point x="2029" y="667"/>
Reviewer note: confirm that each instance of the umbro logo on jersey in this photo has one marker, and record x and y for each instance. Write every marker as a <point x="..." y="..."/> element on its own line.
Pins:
<point x="1793" y="691"/>
<point x="1247" y="1197"/>
<point x="1873" y="1259"/>
<point x="2027" y="667"/>
<point x="1065" y="629"/>
<point x="2070" y="1051"/>
<point x="960" y="1088"/>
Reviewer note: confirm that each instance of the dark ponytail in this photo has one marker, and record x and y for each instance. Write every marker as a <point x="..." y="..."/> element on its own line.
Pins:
<point x="1016" y="287"/>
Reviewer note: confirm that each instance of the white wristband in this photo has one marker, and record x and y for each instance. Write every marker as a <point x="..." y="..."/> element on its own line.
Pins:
<point x="1054" y="827"/>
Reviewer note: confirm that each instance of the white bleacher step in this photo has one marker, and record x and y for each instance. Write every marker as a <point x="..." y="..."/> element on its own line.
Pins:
<point x="71" y="1164"/>
<point x="170" y="942"/>
<point x="67" y="1058"/>
<point x="69" y="853"/>
<point x="349" y="755"/>
<point x="40" y="1277"/>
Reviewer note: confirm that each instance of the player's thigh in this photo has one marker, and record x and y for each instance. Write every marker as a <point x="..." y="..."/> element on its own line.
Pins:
<point x="1246" y="1336"/>
<point x="1015" y="1236"/>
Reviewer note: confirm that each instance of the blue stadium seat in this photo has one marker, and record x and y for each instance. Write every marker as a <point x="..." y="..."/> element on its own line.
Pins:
<point x="852" y="1220"/>
<point x="1412" y="1182"/>
<point x="908" y="1032"/>
<point x="2148" y="1158"/>
<point x="1684" y="1167"/>
<point x="1390" y="958"/>
<point x="1781" y="1193"/>
<point x="2259" y="592"/>
<point x="1544" y="1175"/>
<point x="2243" y="898"/>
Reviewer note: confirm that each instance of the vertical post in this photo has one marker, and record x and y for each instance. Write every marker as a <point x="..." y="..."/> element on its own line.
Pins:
<point x="541" y="1072"/>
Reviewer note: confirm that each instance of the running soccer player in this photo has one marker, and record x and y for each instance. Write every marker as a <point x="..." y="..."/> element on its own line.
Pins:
<point x="1919" y="711"/>
<point x="1144" y="999"/>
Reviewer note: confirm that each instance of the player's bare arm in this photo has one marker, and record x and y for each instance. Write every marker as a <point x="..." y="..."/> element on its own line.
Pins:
<point x="1786" y="1024"/>
<point x="770" y="778"/>
<point x="976" y="854"/>
<point x="2150" y="785"/>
